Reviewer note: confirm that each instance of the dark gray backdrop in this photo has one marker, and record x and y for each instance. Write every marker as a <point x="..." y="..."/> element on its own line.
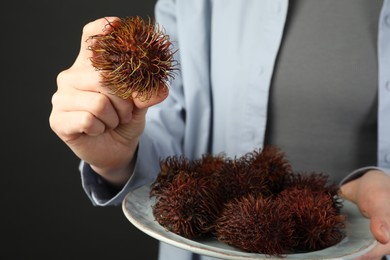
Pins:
<point x="44" y="212"/>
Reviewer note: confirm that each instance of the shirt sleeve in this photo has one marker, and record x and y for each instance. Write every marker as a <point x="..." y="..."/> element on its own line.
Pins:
<point x="360" y="172"/>
<point x="98" y="191"/>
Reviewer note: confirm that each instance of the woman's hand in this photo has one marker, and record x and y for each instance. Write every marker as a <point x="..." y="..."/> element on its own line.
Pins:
<point x="100" y="128"/>
<point x="371" y="193"/>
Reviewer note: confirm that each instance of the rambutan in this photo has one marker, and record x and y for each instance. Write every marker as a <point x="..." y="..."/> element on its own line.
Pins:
<point x="209" y="164"/>
<point x="188" y="194"/>
<point x="170" y="167"/>
<point x="271" y="163"/>
<point x="315" y="182"/>
<point x="188" y="206"/>
<point x="317" y="222"/>
<point x="261" y="171"/>
<point x="237" y="181"/>
<point x="135" y="56"/>
<point x="255" y="224"/>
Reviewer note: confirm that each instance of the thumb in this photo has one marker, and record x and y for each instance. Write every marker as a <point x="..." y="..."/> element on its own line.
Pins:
<point x="99" y="26"/>
<point x="380" y="229"/>
<point x="154" y="99"/>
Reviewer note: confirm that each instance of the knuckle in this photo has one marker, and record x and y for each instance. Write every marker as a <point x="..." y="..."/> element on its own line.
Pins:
<point x="86" y="122"/>
<point x="95" y="26"/>
<point x="61" y="77"/>
<point x="101" y="104"/>
<point x="54" y="98"/>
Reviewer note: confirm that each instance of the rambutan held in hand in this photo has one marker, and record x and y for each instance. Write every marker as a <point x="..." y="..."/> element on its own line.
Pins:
<point x="188" y="206"/>
<point x="135" y="56"/>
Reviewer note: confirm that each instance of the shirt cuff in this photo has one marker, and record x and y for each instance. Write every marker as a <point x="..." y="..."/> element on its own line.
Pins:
<point x="360" y="172"/>
<point x="98" y="191"/>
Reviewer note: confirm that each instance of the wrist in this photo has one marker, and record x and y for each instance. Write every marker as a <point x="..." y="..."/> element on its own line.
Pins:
<point x="118" y="176"/>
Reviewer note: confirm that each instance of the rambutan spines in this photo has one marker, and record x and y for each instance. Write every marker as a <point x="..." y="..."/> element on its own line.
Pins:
<point x="135" y="56"/>
<point x="255" y="224"/>
<point x="315" y="183"/>
<point x="209" y="164"/>
<point x="317" y="222"/>
<point x="170" y="167"/>
<point x="237" y="180"/>
<point x="188" y="195"/>
<point x="270" y="163"/>
<point x="189" y="206"/>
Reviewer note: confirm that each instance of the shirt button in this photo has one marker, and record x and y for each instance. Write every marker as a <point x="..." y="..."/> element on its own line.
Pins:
<point x="261" y="72"/>
<point x="387" y="158"/>
<point x="387" y="85"/>
<point x="387" y="20"/>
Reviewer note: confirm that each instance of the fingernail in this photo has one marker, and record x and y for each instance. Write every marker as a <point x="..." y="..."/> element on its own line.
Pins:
<point x="386" y="233"/>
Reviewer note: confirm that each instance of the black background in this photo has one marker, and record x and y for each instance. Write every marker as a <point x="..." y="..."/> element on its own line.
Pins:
<point x="44" y="212"/>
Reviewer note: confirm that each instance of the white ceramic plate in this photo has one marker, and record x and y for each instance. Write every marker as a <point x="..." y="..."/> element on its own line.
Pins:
<point x="137" y="207"/>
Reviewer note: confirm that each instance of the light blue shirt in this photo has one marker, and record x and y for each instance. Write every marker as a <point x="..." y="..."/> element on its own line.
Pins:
<point x="218" y="100"/>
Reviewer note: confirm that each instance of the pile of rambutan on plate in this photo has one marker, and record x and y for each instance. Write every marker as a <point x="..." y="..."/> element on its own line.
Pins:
<point x="255" y="202"/>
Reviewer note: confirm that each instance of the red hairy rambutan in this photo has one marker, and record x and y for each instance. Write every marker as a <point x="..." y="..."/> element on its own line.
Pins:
<point x="209" y="164"/>
<point x="135" y="56"/>
<point x="188" y="194"/>
<point x="188" y="206"/>
<point x="317" y="222"/>
<point x="170" y="167"/>
<point x="271" y="163"/>
<point x="237" y="181"/>
<point x="255" y="224"/>
<point x="258" y="172"/>
<point x="317" y="183"/>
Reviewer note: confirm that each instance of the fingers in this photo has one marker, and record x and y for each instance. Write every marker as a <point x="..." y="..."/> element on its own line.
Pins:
<point x="87" y="107"/>
<point x="77" y="124"/>
<point x="99" y="26"/>
<point x="372" y="195"/>
<point x="83" y="113"/>
<point x="82" y="90"/>
<point x="380" y="228"/>
<point x="87" y="111"/>
<point x="374" y="200"/>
